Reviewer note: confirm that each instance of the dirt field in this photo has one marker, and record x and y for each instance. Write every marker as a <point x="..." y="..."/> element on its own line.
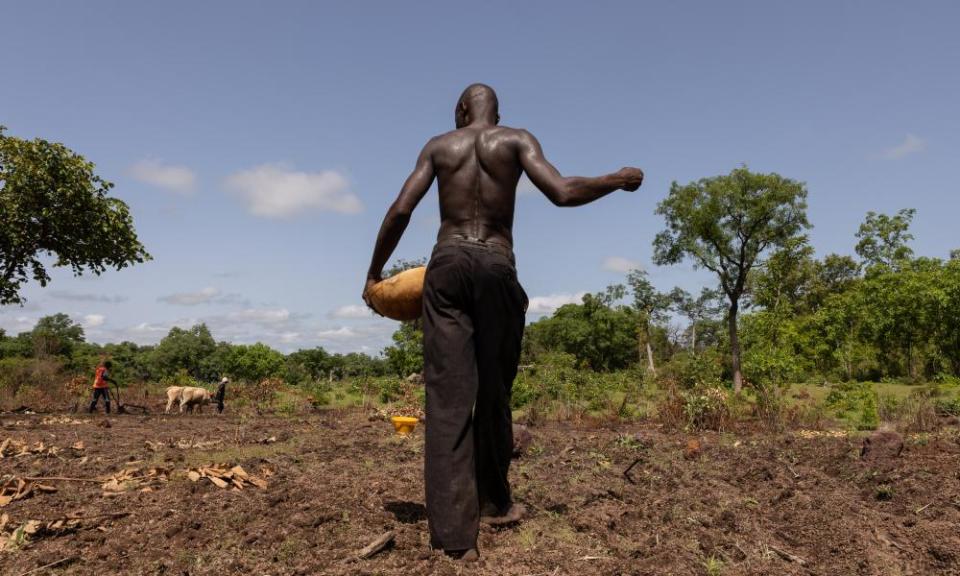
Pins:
<point x="740" y="504"/>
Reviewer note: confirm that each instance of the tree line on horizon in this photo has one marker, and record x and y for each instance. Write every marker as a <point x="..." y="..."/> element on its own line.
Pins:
<point x="776" y="313"/>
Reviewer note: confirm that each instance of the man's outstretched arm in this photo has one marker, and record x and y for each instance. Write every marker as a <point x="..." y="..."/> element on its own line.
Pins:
<point x="398" y="216"/>
<point x="571" y="190"/>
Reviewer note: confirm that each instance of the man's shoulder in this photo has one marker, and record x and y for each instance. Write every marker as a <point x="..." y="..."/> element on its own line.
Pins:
<point x="469" y="132"/>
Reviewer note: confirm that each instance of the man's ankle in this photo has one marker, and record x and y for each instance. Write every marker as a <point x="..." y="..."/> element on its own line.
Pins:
<point x="468" y="555"/>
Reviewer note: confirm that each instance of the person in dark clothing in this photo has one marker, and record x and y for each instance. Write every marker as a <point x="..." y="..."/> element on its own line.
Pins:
<point x="101" y="386"/>
<point x="474" y="307"/>
<point x="221" y="393"/>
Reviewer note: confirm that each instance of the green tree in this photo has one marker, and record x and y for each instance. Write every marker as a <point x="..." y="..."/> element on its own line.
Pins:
<point x="405" y="357"/>
<point x="51" y="202"/>
<point x="253" y="363"/>
<point x="55" y="335"/>
<point x="188" y="350"/>
<point x="696" y="310"/>
<point x="652" y="308"/>
<point x="599" y="334"/>
<point x="883" y="239"/>
<point x="317" y="362"/>
<point x="726" y="224"/>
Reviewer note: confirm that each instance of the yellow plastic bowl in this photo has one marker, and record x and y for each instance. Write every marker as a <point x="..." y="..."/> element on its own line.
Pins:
<point x="404" y="424"/>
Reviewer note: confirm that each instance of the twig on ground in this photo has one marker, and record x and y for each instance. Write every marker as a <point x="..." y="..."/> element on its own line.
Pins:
<point x="922" y="508"/>
<point x="377" y="545"/>
<point x="60" y="478"/>
<point x="51" y="565"/>
<point x="788" y="556"/>
<point x="112" y="515"/>
<point x="626" y="473"/>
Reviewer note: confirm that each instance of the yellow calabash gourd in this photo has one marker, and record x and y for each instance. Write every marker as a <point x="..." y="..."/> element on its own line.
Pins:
<point x="400" y="297"/>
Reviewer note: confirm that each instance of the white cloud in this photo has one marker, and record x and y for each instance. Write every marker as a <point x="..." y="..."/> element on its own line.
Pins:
<point x="341" y="333"/>
<point x="912" y="144"/>
<point x="620" y="264"/>
<point x="261" y="315"/>
<point x="86" y="297"/>
<point x="525" y="187"/>
<point x="148" y="328"/>
<point x="540" y="305"/>
<point x="93" y="320"/>
<point x="289" y="337"/>
<point x="179" y="179"/>
<point x="202" y="296"/>
<point x="17" y="324"/>
<point x="275" y="191"/>
<point x="351" y="311"/>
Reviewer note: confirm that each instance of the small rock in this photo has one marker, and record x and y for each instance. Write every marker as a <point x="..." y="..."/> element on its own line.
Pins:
<point x="693" y="449"/>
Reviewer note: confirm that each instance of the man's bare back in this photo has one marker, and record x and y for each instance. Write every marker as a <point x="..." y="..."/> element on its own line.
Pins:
<point x="477" y="171"/>
<point x="478" y="166"/>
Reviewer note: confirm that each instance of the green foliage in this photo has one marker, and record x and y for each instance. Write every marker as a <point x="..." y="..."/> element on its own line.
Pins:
<point x="858" y="403"/>
<point x="883" y="239"/>
<point x="689" y="371"/>
<point x="252" y="363"/>
<point x="405" y="357"/>
<point x="597" y="334"/>
<point x="556" y="378"/>
<point x="51" y="202"/>
<point x="55" y="335"/>
<point x="869" y="416"/>
<point x="726" y="224"/>
<point x="705" y="408"/>
<point x="185" y="350"/>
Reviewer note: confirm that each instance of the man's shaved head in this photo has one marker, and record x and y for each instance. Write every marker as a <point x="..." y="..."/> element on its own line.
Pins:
<point x="477" y="101"/>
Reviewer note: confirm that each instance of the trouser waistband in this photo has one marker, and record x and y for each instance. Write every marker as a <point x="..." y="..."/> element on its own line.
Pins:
<point x="477" y="243"/>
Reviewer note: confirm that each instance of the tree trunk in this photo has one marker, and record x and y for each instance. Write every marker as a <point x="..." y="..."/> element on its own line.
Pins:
<point x="693" y="337"/>
<point x="735" y="348"/>
<point x="643" y="345"/>
<point x="650" y="364"/>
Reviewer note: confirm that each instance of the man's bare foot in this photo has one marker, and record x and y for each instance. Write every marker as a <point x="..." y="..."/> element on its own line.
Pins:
<point x="515" y="514"/>
<point x="466" y="556"/>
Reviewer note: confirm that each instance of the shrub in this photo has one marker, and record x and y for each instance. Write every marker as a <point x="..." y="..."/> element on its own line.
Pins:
<point x="688" y="371"/>
<point x="706" y="408"/>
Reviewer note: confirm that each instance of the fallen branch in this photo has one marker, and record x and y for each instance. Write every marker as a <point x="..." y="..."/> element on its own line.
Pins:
<point x="626" y="473"/>
<point x="111" y="515"/>
<point x="60" y="478"/>
<point x="377" y="545"/>
<point x="51" y="565"/>
<point x="788" y="556"/>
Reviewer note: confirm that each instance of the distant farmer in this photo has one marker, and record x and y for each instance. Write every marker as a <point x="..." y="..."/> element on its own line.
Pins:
<point x="221" y="393"/>
<point x="474" y="308"/>
<point x="101" y="388"/>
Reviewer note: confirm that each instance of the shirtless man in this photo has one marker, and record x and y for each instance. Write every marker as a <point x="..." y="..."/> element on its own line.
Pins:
<point x="474" y="308"/>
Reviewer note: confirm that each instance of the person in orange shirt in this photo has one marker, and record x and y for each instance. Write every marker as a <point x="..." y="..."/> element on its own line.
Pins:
<point x="101" y="386"/>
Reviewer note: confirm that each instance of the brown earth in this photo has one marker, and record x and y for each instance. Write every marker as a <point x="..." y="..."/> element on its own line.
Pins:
<point x="746" y="503"/>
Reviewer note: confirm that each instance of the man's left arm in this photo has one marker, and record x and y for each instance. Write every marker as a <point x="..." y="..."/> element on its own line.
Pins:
<point x="398" y="216"/>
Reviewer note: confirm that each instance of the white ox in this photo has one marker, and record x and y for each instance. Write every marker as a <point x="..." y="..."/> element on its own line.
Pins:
<point x="188" y="396"/>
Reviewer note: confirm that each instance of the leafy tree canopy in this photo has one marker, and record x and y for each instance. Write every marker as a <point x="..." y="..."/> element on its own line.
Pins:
<point x="52" y="203"/>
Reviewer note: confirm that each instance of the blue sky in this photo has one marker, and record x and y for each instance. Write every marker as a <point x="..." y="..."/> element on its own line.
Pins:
<point x="259" y="144"/>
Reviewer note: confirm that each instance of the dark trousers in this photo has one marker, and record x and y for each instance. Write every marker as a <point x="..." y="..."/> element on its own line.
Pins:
<point x="473" y="318"/>
<point x="97" y="393"/>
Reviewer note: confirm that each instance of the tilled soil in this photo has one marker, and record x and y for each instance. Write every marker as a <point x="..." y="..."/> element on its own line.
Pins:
<point x="724" y="504"/>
